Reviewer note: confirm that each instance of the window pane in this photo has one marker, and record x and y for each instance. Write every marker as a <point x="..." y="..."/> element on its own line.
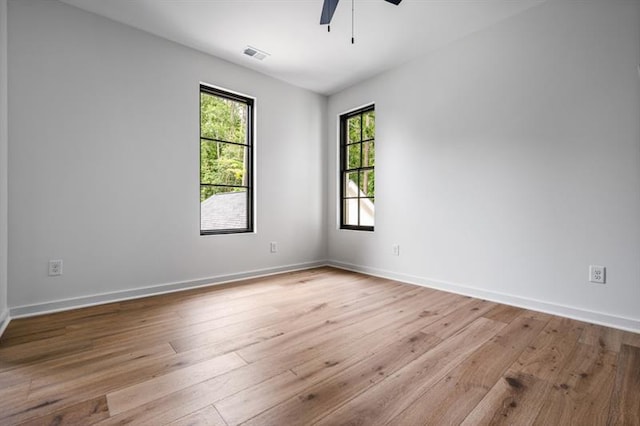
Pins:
<point x="368" y="154"/>
<point x="351" y="184"/>
<point x="369" y="125"/>
<point x="222" y="118"/>
<point x="350" y="209"/>
<point x="367" y="212"/>
<point x="223" y="208"/>
<point x="353" y="129"/>
<point x="223" y="163"/>
<point x="367" y="183"/>
<point x="353" y="156"/>
<point x="357" y="160"/>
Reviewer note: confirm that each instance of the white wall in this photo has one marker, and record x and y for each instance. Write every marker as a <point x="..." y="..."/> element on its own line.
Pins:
<point x="490" y="155"/>
<point x="103" y="148"/>
<point x="509" y="161"/>
<point x="3" y="163"/>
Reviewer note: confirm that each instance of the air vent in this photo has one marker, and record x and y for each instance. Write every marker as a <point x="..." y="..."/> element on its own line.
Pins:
<point x="256" y="53"/>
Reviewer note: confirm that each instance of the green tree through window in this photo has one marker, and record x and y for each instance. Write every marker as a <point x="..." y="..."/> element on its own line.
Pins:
<point x="226" y="143"/>
<point x="357" y="170"/>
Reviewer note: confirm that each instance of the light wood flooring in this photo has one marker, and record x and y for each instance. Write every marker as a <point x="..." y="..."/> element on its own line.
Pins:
<point x="321" y="346"/>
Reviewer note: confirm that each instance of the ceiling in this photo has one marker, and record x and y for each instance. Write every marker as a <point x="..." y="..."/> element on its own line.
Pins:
<point x="302" y="52"/>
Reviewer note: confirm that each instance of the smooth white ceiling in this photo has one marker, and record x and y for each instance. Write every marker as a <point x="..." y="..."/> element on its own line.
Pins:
<point x="302" y="52"/>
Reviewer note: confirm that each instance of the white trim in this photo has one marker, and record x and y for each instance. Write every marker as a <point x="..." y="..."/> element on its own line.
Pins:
<point x="608" y="320"/>
<point x="4" y="162"/>
<point x="118" y="296"/>
<point x="5" y="319"/>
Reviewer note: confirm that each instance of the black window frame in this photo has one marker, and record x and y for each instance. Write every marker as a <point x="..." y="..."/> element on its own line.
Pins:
<point x="250" y="103"/>
<point x="344" y="144"/>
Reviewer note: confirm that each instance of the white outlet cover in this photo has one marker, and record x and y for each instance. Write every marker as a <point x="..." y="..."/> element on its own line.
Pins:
<point x="55" y="268"/>
<point x="597" y="274"/>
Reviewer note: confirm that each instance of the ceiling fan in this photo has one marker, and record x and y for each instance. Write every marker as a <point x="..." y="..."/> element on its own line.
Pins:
<point x="329" y="7"/>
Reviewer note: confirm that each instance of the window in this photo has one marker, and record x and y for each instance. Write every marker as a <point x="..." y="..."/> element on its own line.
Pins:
<point x="357" y="174"/>
<point x="226" y="162"/>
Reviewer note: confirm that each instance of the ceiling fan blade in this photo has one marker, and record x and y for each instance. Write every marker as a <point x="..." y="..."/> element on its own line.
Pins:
<point x="396" y="2"/>
<point x="328" y="8"/>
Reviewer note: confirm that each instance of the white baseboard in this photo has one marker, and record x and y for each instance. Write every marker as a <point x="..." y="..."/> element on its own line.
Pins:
<point x="118" y="296"/>
<point x="608" y="320"/>
<point x="5" y="318"/>
<point x="600" y="318"/>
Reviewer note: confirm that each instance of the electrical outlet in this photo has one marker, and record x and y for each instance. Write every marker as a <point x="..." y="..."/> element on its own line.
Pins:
<point x="55" y="268"/>
<point x="597" y="274"/>
<point x="273" y="247"/>
<point x="395" y="250"/>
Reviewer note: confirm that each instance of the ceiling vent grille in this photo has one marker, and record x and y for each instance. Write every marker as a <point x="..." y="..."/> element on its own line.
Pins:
<point x="256" y="53"/>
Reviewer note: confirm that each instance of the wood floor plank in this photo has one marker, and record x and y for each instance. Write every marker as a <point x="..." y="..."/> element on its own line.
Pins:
<point x="339" y="331"/>
<point x="518" y="396"/>
<point x="278" y="324"/>
<point x="548" y="353"/>
<point x="312" y="357"/>
<point x="466" y="312"/>
<point x="256" y="399"/>
<point x="37" y="372"/>
<point x="359" y="320"/>
<point x="538" y="316"/>
<point x="141" y="325"/>
<point x="313" y="401"/>
<point x="321" y="346"/>
<point x="157" y="387"/>
<point x="631" y="339"/>
<point x="35" y="335"/>
<point x="113" y="376"/>
<point x="189" y="336"/>
<point x="11" y="395"/>
<point x="202" y="394"/>
<point x="223" y="293"/>
<point x="222" y="317"/>
<point x="61" y="394"/>
<point x="514" y="400"/>
<point x="235" y="323"/>
<point x="207" y="416"/>
<point x="504" y="313"/>
<point x="608" y="339"/>
<point x="79" y="335"/>
<point x="391" y="396"/>
<point x="108" y="323"/>
<point x="625" y="401"/>
<point x="319" y="285"/>
<point x="581" y="393"/>
<point x="404" y="327"/>
<point x="452" y="398"/>
<point x="23" y="326"/>
<point x="301" y="330"/>
<point x="38" y="351"/>
<point x="193" y="398"/>
<point x="82" y="413"/>
<point x="66" y="369"/>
